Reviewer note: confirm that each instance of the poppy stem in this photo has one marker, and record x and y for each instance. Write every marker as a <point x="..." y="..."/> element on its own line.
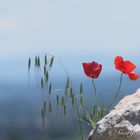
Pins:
<point x="95" y="92"/>
<point x="120" y="83"/>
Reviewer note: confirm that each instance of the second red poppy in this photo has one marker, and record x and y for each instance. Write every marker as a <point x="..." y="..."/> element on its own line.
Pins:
<point x="92" y="70"/>
<point x="126" y="67"/>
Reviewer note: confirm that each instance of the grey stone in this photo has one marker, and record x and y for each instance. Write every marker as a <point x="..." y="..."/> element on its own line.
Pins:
<point x="122" y="123"/>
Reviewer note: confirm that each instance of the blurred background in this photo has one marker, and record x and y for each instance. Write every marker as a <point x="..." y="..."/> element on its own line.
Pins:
<point x="74" y="31"/>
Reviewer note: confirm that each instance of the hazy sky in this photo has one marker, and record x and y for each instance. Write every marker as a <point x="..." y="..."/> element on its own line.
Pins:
<point x="60" y="26"/>
<point x="80" y="30"/>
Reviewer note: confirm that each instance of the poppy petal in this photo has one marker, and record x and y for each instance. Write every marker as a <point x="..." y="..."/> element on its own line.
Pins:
<point x="87" y="69"/>
<point x="97" y="68"/>
<point x="119" y="63"/>
<point x="128" y="67"/>
<point x="133" y="76"/>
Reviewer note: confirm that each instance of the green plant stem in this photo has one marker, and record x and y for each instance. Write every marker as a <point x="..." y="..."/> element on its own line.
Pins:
<point x="77" y="108"/>
<point x="96" y="98"/>
<point x="117" y="93"/>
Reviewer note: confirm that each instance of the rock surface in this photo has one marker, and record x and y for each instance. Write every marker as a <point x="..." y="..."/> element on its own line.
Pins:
<point x="122" y="123"/>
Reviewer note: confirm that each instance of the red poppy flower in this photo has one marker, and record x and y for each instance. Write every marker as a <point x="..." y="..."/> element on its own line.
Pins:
<point x="92" y="69"/>
<point x="126" y="67"/>
<point x="133" y="76"/>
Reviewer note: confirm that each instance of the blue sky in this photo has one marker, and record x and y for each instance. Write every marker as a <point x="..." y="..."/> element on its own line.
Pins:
<point x="74" y="30"/>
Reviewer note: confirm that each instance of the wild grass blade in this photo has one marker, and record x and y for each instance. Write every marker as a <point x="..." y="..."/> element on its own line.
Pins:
<point x="29" y="63"/>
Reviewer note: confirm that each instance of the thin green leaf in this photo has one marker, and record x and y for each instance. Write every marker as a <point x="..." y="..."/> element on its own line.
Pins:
<point x="66" y="91"/>
<point x="38" y="61"/>
<point x="92" y="122"/>
<point x="47" y="76"/>
<point x="81" y="101"/>
<point x="85" y="118"/>
<point x="42" y="113"/>
<point x="72" y="99"/>
<point x="45" y="106"/>
<point x="52" y="60"/>
<point x="94" y="110"/>
<point x="50" y="88"/>
<point x="57" y="100"/>
<point x="29" y="63"/>
<point x="67" y="83"/>
<point x="43" y="117"/>
<point x="64" y="110"/>
<point x="42" y="83"/>
<point x="50" y="107"/>
<point x="67" y="86"/>
<point x="45" y="59"/>
<point x="45" y="71"/>
<point x="62" y="101"/>
<point x="71" y="92"/>
<point x="103" y="111"/>
<point x="81" y="89"/>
